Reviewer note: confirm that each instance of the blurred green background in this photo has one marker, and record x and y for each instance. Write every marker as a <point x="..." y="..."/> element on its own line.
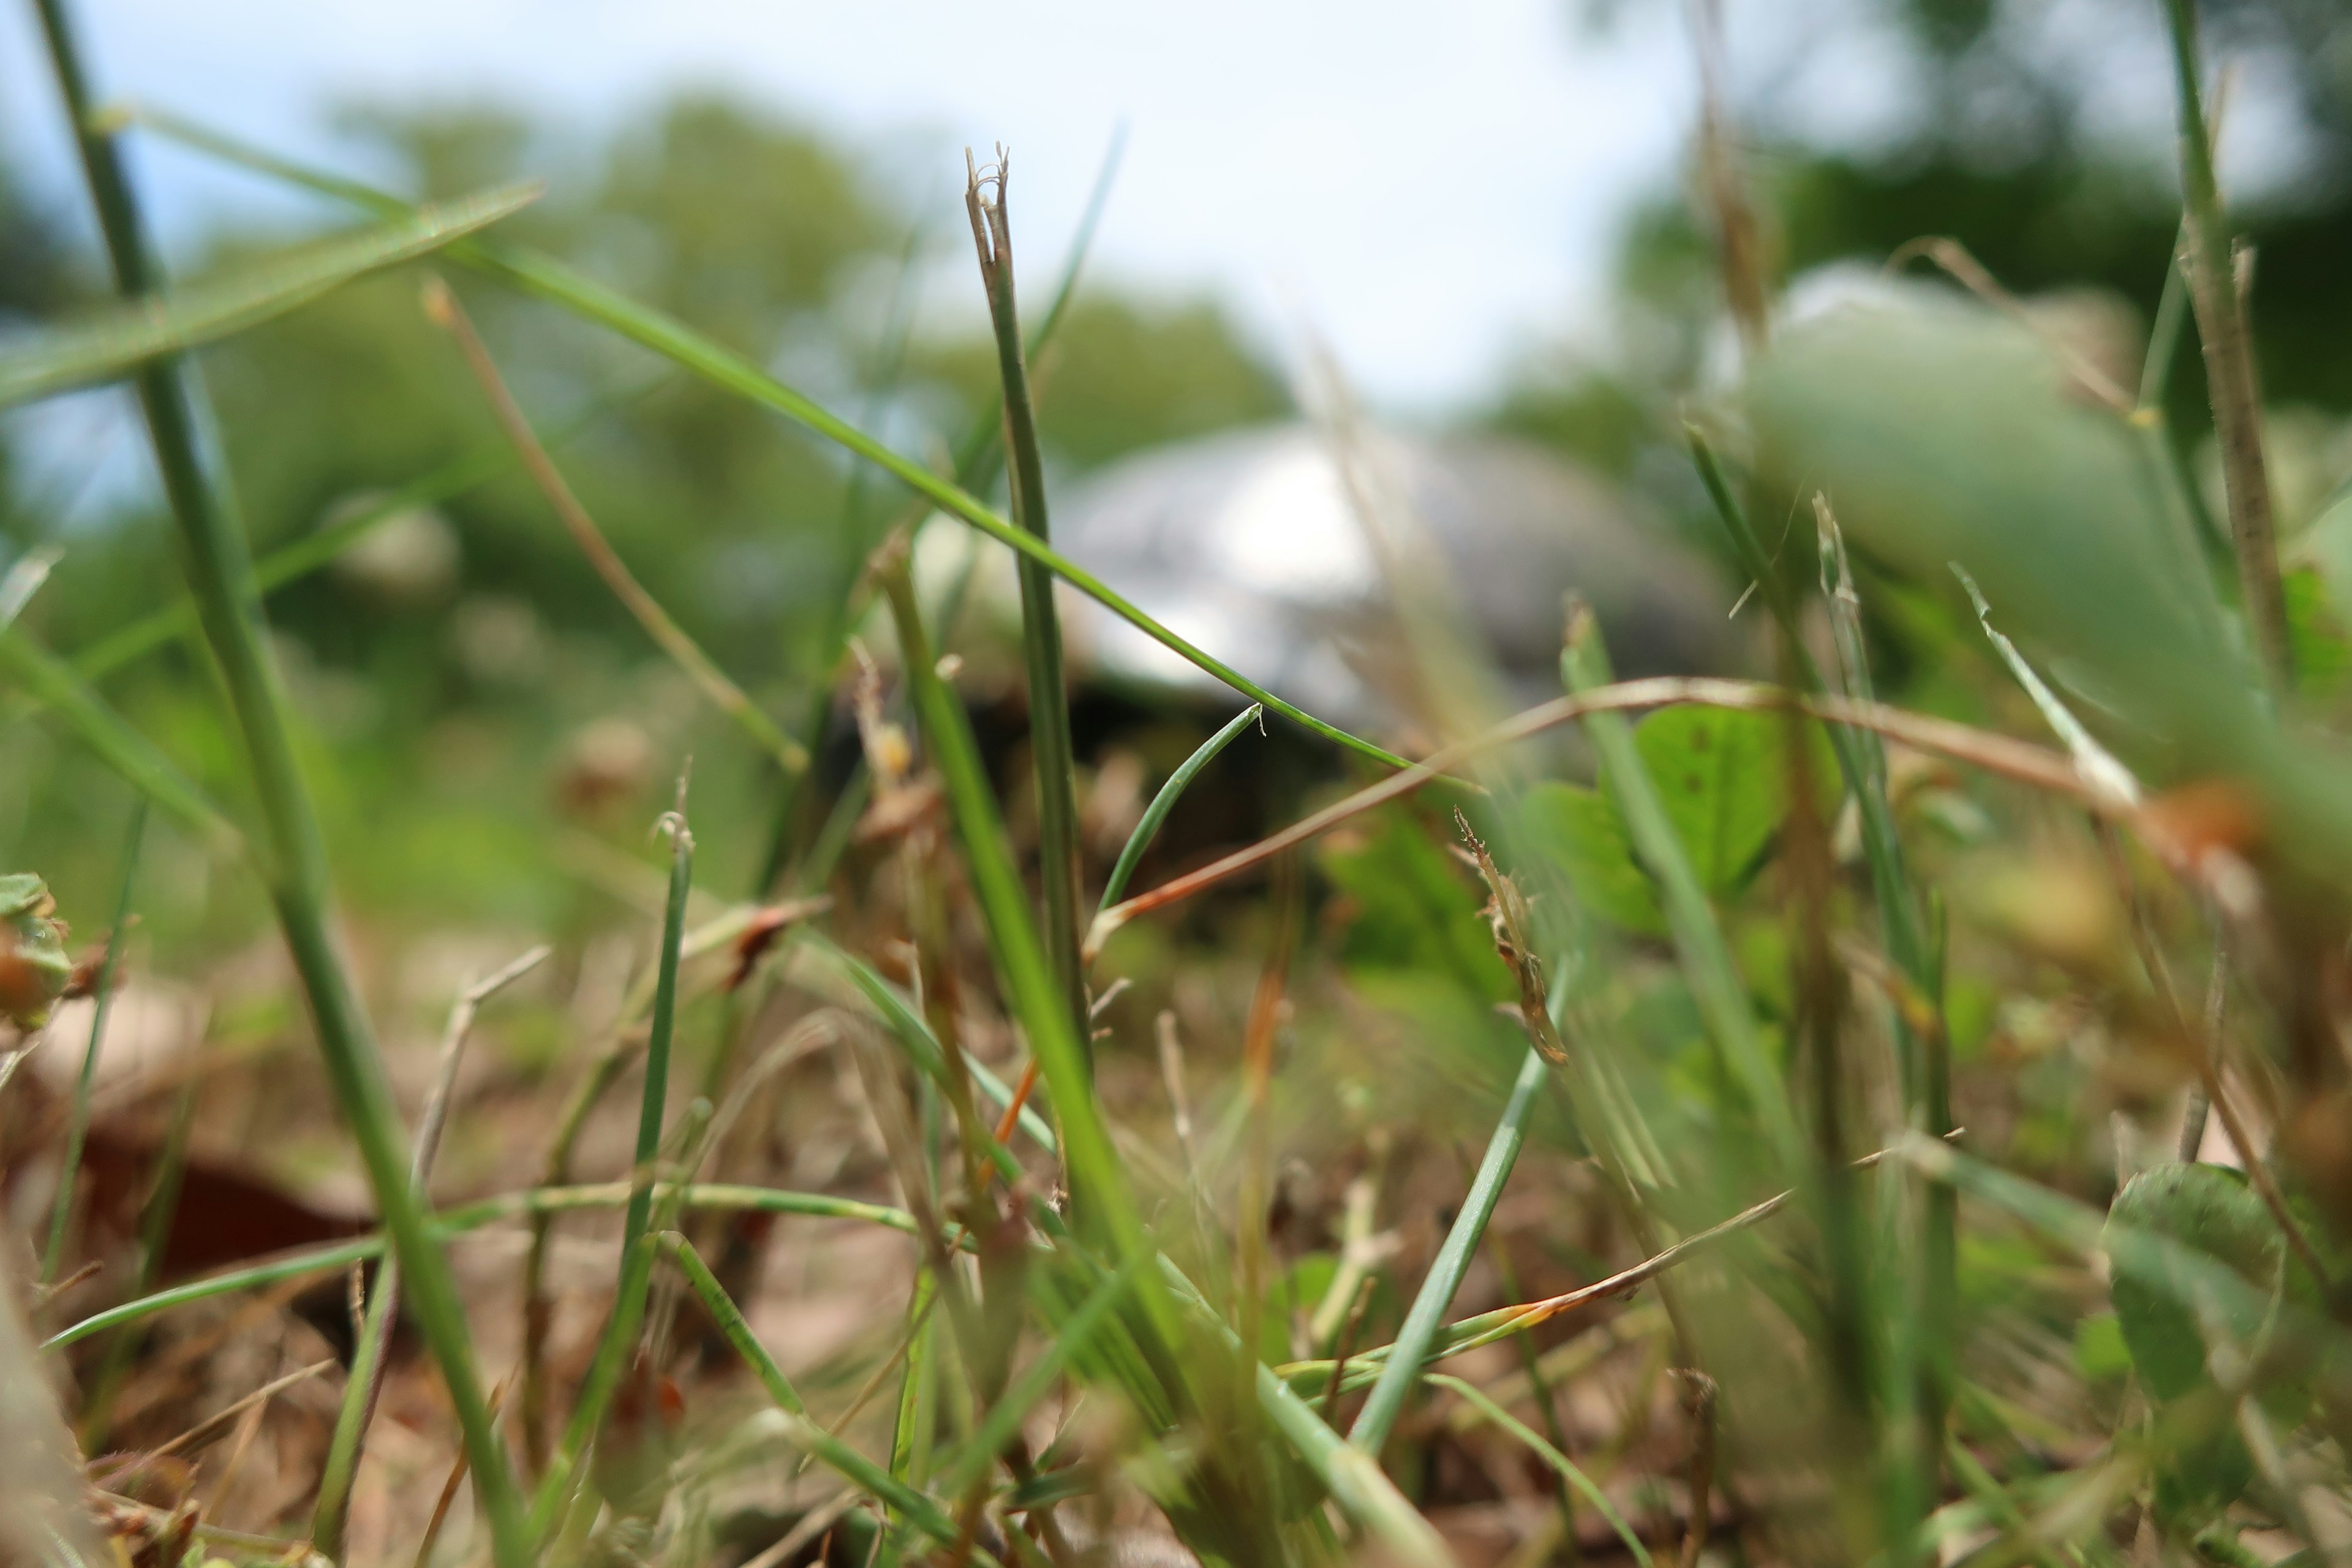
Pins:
<point x="490" y="733"/>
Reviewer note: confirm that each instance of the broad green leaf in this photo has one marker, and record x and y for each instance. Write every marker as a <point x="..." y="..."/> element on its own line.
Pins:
<point x="1412" y="908"/>
<point x="117" y="340"/>
<point x="2100" y="1355"/>
<point x="1583" y="833"/>
<point x="2168" y="1320"/>
<point x="1944" y="434"/>
<point x="2207" y="1209"/>
<point x="1723" y="774"/>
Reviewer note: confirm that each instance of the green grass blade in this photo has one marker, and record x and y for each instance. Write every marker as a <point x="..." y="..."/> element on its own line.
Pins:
<point x="547" y="279"/>
<point x="1050" y="749"/>
<point x="619" y="1340"/>
<point x="1353" y="1479"/>
<point x="155" y="1228"/>
<point x="78" y="1123"/>
<point x="921" y="1509"/>
<point x="910" y="1431"/>
<point x="220" y="568"/>
<point x="898" y="1014"/>
<point x="1551" y="1455"/>
<point x="1425" y="1318"/>
<point x="1072" y="1336"/>
<point x="2232" y="379"/>
<point x="1097" y="1179"/>
<point x="1165" y="801"/>
<point x="472" y="1217"/>
<point x="1698" y="939"/>
<point x="51" y="681"/>
<point x="115" y="342"/>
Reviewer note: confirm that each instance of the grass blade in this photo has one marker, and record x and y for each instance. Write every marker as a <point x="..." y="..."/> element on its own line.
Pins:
<point x="154" y="1226"/>
<point x="365" y="1383"/>
<point x="293" y="562"/>
<point x="442" y="307"/>
<point x="220" y="568"/>
<point x="1072" y="1336"/>
<point x="51" y="682"/>
<point x="1422" y="1319"/>
<point x="1050" y="751"/>
<point x="2212" y="267"/>
<point x="1551" y="1455"/>
<point x="547" y="279"/>
<point x="78" y="1124"/>
<point x="906" y="1024"/>
<point x="472" y="1217"/>
<point x="1714" y="979"/>
<point x="1165" y="801"/>
<point x="621" y="1327"/>
<point x="118" y="341"/>
<point x="1098" y="1180"/>
<point x="917" y="1507"/>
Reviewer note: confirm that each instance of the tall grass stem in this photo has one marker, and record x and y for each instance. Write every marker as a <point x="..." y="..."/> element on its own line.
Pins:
<point x="221" y="571"/>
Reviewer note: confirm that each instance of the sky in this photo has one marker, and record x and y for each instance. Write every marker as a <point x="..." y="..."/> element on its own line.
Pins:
<point x="1430" y="190"/>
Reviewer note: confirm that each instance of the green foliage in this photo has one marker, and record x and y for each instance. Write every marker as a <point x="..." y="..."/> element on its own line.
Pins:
<point x="2206" y="1209"/>
<point x="1411" y="907"/>
<point x="2179" y="1330"/>
<point x="1581" y="830"/>
<point x="1723" y="778"/>
<point x="33" y="965"/>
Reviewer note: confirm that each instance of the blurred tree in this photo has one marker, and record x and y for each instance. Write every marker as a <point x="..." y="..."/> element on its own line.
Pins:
<point x="1998" y="147"/>
<point x="453" y="657"/>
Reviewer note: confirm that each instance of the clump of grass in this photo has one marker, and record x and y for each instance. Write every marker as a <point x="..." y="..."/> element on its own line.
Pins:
<point x="1733" y="996"/>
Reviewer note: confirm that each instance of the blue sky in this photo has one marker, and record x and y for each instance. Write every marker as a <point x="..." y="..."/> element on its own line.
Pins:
<point x="1428" y="188"/>
<point x="1431" y="189"/>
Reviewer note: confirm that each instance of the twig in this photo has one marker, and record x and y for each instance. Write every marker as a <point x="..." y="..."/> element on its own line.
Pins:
<point x="1344" y="1348"/>
<point x="458" y="1468"/>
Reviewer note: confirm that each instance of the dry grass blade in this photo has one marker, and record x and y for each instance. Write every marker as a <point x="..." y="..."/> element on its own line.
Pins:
<point x="442" y="306"/>
<point x="2035" y="766"/>
<point x="370" y="1361"/>
<point x="205" y="1430"/>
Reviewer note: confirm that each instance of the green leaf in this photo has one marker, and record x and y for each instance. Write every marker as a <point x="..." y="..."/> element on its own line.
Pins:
<point x="1724" y="777"/>
<point x="34" y="964"/>
<point x="2100" y="1355"/>
<point x="116" y="341"/>
<point x="2207" y="1209"/>
<point x="1581" y="830"/>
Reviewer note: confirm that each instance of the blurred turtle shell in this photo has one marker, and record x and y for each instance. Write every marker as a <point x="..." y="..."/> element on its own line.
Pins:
<point x="1247" y="545"/>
